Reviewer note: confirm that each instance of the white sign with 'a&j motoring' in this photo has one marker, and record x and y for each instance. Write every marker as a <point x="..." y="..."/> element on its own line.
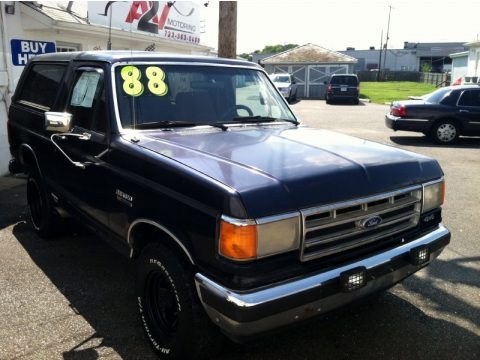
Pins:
<point x="174" y="20"/>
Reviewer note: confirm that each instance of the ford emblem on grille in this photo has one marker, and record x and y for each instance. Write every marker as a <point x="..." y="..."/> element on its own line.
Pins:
<point x="371" y="222"/>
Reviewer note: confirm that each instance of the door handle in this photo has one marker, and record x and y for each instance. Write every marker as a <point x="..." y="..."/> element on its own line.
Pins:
<point x="463" y="111"/>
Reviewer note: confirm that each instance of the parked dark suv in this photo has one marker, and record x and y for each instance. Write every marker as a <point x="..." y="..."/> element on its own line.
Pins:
<point x="238" y="219"/>
<point x="344" y="87"/>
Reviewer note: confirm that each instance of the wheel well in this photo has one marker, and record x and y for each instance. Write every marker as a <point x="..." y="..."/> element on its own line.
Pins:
<point x="28" y="159"/>
<point x="144" y="233"/>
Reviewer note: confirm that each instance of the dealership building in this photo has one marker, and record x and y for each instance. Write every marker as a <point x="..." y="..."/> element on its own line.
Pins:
<point x="31" y="28"/>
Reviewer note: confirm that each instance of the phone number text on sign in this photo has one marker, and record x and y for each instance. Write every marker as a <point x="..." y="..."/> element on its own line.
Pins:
<point x="179" y="36"/>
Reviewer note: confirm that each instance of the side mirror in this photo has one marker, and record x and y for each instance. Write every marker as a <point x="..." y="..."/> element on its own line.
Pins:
<point x="58" y="121"/>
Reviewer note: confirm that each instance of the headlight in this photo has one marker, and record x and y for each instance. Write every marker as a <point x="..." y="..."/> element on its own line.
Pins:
<point x="433" y="195"/>
<point x="249" y="239"/>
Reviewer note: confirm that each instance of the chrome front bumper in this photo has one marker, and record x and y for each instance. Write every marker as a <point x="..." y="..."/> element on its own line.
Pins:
<point x="247" y="313"/>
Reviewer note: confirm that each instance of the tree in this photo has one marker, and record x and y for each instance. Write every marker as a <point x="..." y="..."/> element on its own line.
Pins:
<point x="426" y="67"/>
<point x="274" y="49"/>
<point x="246" y="56"/>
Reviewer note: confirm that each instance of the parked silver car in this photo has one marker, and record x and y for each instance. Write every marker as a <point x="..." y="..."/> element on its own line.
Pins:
<point x="286" y="84"/>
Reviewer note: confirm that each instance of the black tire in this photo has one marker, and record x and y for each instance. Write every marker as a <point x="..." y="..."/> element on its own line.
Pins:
<point x="445" y="132"/>
<point x="44" y="218"/>
<point x="170" y="312"/>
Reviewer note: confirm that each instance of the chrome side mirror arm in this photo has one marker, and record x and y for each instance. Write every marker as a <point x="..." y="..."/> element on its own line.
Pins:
<point x="84" y="136"/>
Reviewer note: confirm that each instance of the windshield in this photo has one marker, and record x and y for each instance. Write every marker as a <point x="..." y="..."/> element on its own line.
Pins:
<point x="437" y="96"/>
<point x="280" y="78"/>
<point x="196" y="95"/>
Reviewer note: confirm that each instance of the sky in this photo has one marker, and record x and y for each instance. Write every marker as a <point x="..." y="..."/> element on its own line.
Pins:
<point x="338" y="24"/>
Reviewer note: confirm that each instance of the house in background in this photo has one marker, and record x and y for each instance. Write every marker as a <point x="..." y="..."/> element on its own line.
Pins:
<point x="311" y="66"/>
<point x="465" y="64"/>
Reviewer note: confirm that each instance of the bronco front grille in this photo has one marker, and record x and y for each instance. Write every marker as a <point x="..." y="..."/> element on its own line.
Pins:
<point x="340" y="227"/>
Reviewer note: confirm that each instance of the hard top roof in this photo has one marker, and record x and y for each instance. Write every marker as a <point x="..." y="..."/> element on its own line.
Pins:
<point x="463" y="87"/>
<point x="126" y="55"/>
<point x="335" y="75"/>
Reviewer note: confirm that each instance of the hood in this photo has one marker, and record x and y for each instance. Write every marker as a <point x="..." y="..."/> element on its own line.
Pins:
<point x="279" y="168"/>
<point x="281" y="84"/>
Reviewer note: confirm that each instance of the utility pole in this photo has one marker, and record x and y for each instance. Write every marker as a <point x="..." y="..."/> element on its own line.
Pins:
<point x="109" y="42"/>
<point x="388" y="32"/>
<point x="227" y="29"/>
<point x="380" y="57"/>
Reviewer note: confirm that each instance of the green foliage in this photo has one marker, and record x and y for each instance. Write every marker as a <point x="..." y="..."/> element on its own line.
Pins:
<point x="388" y="91"/>
<point x="274" y="49"/>
<point x="426" y="67"/>
<point x="246" y="56"/>
<point x="269" y="49"/>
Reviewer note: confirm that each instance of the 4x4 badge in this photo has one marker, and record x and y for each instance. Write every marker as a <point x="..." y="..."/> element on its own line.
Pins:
<point x="371" y="222"/>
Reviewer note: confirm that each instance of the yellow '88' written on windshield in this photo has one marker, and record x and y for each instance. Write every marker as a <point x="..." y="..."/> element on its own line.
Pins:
<point x="132" y="85"/>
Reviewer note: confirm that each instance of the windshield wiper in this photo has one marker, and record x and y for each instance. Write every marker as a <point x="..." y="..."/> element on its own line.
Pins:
<point x="169" y="123"/>
<point x="260" y="119"/>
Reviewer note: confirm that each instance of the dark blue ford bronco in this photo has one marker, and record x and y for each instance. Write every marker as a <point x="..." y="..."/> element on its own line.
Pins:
<point x="240" y="219"/>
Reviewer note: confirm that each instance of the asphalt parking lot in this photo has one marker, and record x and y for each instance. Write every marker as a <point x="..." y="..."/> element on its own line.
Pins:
<point x="73" y="298"/>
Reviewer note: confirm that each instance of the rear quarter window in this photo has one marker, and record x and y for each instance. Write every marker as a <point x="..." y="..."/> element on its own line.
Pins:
<point x="470" y="98"/>
<point x="41" y="85"/>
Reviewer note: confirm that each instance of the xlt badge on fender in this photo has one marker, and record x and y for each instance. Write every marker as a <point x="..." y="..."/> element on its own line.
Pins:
<point x="124" y="198"/>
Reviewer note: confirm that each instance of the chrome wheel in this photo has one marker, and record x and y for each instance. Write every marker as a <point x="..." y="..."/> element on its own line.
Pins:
<point x="446" y="133"/>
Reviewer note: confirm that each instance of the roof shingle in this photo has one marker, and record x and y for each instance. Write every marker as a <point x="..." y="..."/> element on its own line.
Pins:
<point x="308" y="53"/>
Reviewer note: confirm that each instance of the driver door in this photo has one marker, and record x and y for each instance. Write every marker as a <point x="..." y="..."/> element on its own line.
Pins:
<point x="87" y="187"/>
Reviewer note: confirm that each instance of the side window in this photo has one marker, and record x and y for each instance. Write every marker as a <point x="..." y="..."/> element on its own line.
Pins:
<point x="470" y="98"/>
<point x="41" y="85"/>
<point x="87" y="101"/>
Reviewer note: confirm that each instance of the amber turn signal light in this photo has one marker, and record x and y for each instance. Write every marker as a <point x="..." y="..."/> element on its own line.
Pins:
<point x="238" y="242"/>
<point x="442" y="191"/>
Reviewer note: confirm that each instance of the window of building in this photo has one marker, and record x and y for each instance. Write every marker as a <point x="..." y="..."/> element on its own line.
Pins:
<point x="67" y="47"/>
